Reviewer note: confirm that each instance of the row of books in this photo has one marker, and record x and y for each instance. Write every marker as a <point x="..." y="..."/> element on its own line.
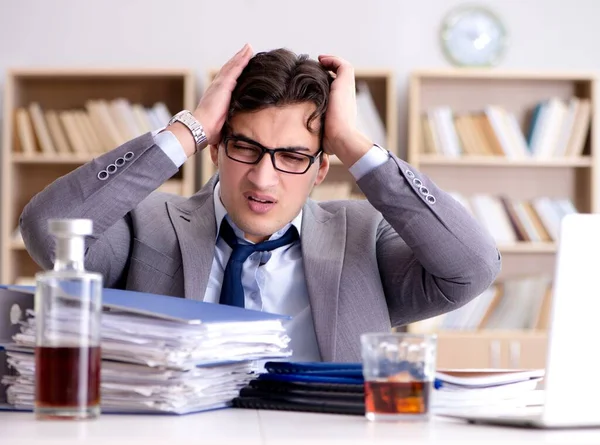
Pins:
<point x="368" y="119"/>
<point x="558" y="128"/>
<point x="100" y="127"/>
<point x="516" y="303"/>
<point x="513" y="220"/>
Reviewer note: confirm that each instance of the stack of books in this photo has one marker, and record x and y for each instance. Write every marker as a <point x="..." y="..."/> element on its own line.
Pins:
<point x="159" y="353"/>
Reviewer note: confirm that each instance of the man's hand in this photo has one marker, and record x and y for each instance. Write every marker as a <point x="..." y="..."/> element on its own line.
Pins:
<point x="214" y="104"/>
<point x="341" y="137"/>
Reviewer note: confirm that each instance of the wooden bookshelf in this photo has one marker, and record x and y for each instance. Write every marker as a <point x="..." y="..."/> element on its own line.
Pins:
<point x="574" y="178"/>
<point x="24" y="174"/>
<point x="475" y="161"/>
<point x="381" y="86"/>
<point x="489" y="349"/>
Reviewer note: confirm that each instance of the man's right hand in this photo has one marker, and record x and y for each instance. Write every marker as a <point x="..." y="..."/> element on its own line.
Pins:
<point x="214" y="104"/>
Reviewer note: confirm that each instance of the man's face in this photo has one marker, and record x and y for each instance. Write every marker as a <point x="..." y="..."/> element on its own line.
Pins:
<point x="260" y="199"/>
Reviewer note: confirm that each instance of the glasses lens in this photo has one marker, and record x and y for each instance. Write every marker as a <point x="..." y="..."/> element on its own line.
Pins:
<point x="291" y="162"/>
<point x="243" y="151"/>
<point x="249" y="153"/>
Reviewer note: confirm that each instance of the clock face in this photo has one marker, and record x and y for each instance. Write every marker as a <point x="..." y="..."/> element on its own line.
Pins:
<point x="473" y="36"/>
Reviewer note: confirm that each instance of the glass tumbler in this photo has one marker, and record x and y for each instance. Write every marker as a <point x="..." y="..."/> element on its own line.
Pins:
<point x="399" y="370"/>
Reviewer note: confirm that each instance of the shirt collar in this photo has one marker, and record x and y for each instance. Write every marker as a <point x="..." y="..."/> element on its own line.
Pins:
<point x="221" y="212"/>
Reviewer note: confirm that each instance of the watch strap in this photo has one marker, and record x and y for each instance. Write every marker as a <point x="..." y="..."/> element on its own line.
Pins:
<point x="195" y="127"/>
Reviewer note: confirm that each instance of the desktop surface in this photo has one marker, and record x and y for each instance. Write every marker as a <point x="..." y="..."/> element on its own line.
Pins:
<point x="243" y="426"/>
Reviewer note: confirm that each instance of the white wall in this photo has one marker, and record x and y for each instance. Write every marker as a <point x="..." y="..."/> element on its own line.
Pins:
<point x="202" y="34"/>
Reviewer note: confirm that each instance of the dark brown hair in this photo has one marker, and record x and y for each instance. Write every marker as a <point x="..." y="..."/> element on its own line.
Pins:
<point x="281" y="77"/>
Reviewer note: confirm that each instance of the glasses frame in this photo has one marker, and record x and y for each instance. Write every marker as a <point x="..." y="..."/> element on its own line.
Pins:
<point x="271" y="152"/>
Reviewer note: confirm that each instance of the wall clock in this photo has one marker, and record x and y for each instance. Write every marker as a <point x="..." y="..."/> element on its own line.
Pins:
<point x="473" y="36"/>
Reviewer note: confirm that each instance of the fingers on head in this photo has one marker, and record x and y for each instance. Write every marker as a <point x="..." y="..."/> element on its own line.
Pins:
<point x="335" y="63"/>
<point x="236" y="64"/>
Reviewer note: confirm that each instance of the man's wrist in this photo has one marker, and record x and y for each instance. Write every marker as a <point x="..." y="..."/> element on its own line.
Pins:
<point x="352" y="147"/>
<point x="184" y="136"/>
<point x="194" y="129"/>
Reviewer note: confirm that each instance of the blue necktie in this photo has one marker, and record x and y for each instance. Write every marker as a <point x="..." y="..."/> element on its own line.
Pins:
<point x="232" y="291"/>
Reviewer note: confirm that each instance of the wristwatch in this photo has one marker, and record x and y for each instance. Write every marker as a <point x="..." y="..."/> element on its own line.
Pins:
<point x="195" y="127"/>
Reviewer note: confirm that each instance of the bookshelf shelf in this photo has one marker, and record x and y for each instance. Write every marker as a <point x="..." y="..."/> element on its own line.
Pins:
<point x="528" y="247"/>
<point x="503" y="74"/>
<point x="378" y="104"/>
<point x="498" y="161"/>
<point x="57" y="119"/>
<point x="520" y="150"/>
<point x="508" y="349"/>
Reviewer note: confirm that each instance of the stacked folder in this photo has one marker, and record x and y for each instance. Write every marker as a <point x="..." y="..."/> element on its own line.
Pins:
<point x="160" y="354"/>
<point x="316" y="387"/>
<point x="487" y="389"/>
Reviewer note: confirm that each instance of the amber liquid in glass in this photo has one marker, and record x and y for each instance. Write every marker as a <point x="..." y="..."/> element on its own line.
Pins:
<point x="397" y="398"/>
<point x="67" y="380"/>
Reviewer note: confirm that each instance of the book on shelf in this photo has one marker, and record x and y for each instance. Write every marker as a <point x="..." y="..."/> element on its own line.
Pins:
<point x="98" y="127"/>
<point x="368" y="119"/>
<point x="558" y="128"/>
<point x="511" y="221"/>
<point x="519" y="303"/>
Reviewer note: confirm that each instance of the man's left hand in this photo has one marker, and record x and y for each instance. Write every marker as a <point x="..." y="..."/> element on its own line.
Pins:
<point x="341" y="136"/>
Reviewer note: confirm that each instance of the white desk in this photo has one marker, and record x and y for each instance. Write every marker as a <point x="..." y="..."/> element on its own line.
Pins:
<point x="239" y="426"/>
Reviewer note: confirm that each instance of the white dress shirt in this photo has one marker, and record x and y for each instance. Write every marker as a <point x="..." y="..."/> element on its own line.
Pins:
<point x="272" y="281"/>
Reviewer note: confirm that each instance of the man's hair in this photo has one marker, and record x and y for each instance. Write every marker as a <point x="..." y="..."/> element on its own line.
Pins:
<point x="281" y="77"/>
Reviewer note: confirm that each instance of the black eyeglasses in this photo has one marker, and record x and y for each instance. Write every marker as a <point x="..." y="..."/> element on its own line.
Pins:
<point x="287" y="160"/>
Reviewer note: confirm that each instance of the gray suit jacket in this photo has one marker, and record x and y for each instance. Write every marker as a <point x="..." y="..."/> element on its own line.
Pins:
<point x="399" y="257"/>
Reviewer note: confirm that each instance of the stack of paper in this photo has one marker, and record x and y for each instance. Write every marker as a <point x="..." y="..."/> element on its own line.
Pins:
<point x="466" y="389"/>
<point x="161" y="353"/>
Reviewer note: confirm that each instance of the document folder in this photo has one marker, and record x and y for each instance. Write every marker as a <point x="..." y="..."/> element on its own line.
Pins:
<point x="181" y="310"/>
<point x="335" y="388"/>
<point x="160" y="354"/>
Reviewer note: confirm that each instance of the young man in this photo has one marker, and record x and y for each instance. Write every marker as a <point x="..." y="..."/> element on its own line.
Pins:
<point x="408" y="252"/>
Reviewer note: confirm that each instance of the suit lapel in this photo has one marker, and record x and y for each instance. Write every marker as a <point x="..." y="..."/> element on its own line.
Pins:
<point x="323" y="239"/>
<point x="195" y="226"/>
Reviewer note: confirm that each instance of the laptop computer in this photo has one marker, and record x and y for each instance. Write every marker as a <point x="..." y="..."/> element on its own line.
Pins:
<point x="572" y="388"/>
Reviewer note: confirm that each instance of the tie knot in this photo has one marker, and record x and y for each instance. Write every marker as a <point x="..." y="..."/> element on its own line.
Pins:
<point x="241" y="252"/>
